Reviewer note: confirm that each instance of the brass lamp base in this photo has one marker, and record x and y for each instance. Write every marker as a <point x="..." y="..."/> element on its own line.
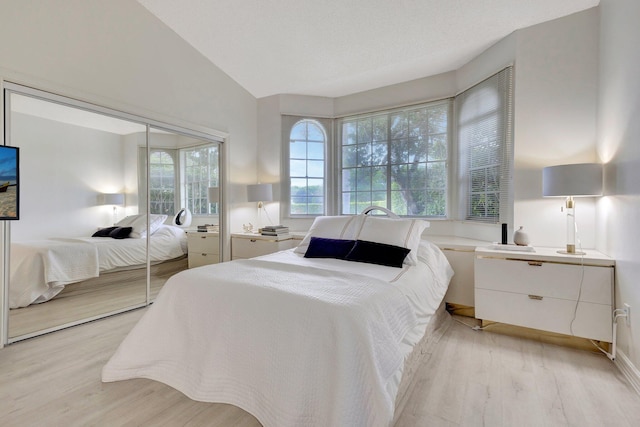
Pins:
<point x="571" y="250"/>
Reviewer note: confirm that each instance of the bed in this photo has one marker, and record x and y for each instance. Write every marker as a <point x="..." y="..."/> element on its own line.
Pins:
<point x="41" y="269"/>
<point x="299" y="338"/>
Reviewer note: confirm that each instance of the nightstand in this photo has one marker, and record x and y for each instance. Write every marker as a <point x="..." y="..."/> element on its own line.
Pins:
<point x="545" y="290"/>
<point x="249" y="245"/>
<point x="203" y="248"/>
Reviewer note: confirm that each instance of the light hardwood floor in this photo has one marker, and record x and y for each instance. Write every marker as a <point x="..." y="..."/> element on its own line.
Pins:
<point x="472" y="378"/>
<point x="91" y="298"/>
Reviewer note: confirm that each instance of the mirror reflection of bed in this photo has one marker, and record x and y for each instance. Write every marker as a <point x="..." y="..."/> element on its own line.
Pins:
<point x="82" y="172"/>
<point x="41" y="298"/>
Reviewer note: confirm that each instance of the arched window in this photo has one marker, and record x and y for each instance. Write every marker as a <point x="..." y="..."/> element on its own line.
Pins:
<point x="162" y="173"/>
<point x="307" y="148"/>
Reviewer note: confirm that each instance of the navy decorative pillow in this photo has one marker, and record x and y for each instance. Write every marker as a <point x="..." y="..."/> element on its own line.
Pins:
<point x="378" y="253"/>
<point x="319" y="247"/>
<point x="121" y="232"/>
<point x="103" y="232"/>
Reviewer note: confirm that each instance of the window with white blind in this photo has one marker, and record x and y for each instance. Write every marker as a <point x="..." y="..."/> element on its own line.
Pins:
<point x="485" y="149"/>
<point x="402" y="158"/>
<point x="398" y="159"/>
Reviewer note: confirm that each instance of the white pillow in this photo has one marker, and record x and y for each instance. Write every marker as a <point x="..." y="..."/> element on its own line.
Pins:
<point x="138" y="223"/>
<point x="405" y="233"/>
<point x="332" y="227"/>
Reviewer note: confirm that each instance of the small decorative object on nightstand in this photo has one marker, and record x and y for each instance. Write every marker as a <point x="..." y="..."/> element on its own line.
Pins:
<point x="575" y="180"/>
<point x="520" y="237"/>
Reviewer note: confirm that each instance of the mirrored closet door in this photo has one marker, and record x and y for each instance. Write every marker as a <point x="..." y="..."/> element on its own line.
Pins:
<point x="99" y="231"/>
<point x="183" y="172"/>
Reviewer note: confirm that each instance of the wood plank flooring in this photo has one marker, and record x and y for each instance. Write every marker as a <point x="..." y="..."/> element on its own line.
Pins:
<point x="91" y="298"/>
<point x="472" y="378"/>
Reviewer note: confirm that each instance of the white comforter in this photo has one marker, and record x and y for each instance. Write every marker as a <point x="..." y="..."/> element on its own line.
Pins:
<point x="294" y="341"/>
<point x="41" y="269"/>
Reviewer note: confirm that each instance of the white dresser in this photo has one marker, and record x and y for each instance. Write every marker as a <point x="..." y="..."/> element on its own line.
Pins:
<point x="249" y="245"/>
<point x="546" y="290"/>
<point x="203" y="248"/>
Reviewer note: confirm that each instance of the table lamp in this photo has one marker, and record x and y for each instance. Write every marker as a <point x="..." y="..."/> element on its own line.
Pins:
<point x="575" y="180"/>
<point x="260" y="193"/>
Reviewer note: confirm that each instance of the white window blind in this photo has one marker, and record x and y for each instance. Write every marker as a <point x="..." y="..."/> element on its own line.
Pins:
<point x="484" y="115"/>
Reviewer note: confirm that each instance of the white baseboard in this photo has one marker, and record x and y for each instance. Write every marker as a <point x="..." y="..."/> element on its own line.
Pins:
<point x="630" y="372"/>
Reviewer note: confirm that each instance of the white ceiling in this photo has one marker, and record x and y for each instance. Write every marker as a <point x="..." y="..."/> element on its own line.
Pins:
<point x="338" y="47"/>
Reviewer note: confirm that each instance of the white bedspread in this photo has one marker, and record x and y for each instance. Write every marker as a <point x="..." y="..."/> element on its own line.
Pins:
<point x="292" y="341"/>
<point x="41" y="269"/>
<point x="44" y="267"/>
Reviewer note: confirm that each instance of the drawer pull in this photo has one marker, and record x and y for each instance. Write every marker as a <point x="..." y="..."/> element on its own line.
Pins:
<point x="253" y="240"/>
<point x="203" y="237"/>
<point x="536" y="297"/>
<point x="535" y="263"/>
<point x="203" y="254"/>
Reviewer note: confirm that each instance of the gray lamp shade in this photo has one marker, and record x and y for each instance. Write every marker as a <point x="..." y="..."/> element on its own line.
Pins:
<point x="581" y="179"/>
<point x="259" y="193"/>
<point x="111" y="199"/>
<point x="213" y="194"/>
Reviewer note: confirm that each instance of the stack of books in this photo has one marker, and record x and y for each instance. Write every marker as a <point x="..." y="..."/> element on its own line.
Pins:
<point x="274" y="230"/>
<point x="208" y="227"/>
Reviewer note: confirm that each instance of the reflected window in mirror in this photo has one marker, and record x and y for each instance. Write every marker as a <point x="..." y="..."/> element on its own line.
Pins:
<point x="201" y="171"/>
<point x="162" y="172"/>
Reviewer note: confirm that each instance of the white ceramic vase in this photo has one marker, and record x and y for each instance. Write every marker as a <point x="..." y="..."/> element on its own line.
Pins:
<point x="520" y="237"/>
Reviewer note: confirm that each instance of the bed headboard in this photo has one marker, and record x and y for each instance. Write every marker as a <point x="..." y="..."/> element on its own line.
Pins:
<point x="370" y="209"/>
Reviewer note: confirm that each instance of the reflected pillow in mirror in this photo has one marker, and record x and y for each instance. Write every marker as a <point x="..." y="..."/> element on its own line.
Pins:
<point x="138" y="223"/>
<point x="103" y="232"/>
<point x="120" y="232"/>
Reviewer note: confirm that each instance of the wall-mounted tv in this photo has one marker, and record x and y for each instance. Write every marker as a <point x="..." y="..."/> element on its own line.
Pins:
<point x="9" y="183"/>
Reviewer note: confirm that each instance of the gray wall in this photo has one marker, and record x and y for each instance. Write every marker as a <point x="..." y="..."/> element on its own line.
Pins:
<point x="117" y="54"/>
<point x="619" y="148"/>
<point x="555" y="97"/>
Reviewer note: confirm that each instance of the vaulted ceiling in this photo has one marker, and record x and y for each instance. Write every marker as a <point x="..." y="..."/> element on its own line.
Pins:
<point x="338" y="47"/>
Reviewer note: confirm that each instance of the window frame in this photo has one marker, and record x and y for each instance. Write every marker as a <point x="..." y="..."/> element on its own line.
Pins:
<point x="455" y="192"/>
<point x="172" y="153"/>
<point x="182" y="182"/>
<point x="502" y="83"/>
<point x="388" y="113"/>
<point x="288" y="123"/>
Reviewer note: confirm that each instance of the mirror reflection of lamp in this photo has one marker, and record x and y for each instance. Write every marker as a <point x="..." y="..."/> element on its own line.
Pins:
<point x="260" y="193"/>
<point x="213" y="195"/>
<point x="115" y="199"/>
<point x="576" y="180"/>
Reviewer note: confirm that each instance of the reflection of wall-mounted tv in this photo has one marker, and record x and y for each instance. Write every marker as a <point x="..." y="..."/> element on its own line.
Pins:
<point x="9" y="183"/>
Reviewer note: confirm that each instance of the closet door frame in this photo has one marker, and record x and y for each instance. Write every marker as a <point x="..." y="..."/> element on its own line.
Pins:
<point x="203" y="133"/>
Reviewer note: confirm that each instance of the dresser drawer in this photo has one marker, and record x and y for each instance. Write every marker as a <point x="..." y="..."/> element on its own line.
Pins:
<point x="546" y="279"/>
<point x="197" y="259"/>
<point x="204" y="243"/>
<point x="242" y="247"/>
<point x="545" y="313"/>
